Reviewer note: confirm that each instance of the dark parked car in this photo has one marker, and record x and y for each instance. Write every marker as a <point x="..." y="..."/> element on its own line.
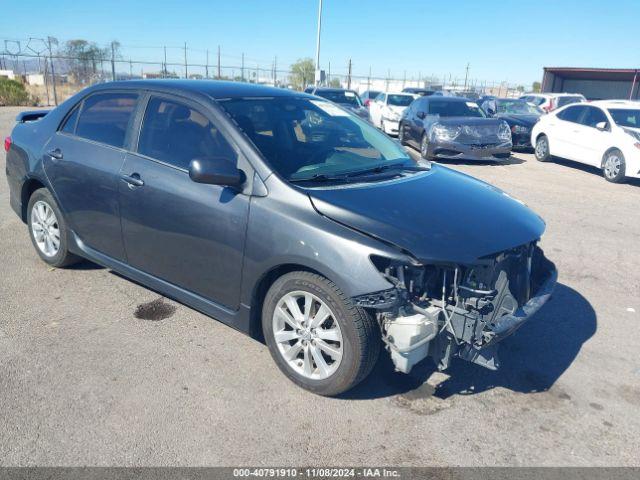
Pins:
<point x="348" y="99"/>
<point x="520" y="115"/>
<point x="423" y="92"/>
<point x="369" y="96"/>
<point x="283" y="216"/>
<point x="454" y="128"/>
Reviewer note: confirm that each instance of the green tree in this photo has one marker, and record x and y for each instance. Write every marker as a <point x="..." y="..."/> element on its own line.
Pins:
<point x="302" y="73"/>
<point x="335" y="83"/>
<point x="84" y="57"/>
<point x="13" y="92"/>
<point x="536" y="87"/>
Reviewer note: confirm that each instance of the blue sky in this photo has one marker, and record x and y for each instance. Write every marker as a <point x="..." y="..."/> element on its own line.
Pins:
<point x="502" y="40"/>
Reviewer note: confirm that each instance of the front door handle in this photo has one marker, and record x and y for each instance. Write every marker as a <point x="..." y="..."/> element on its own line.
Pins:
<point x="133" y="180"/>
<point x="56" y="154"/>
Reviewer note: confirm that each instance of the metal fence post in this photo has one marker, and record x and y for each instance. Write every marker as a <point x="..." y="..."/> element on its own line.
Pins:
<point x="113" y="62"/>
<point x="53" y="72"/>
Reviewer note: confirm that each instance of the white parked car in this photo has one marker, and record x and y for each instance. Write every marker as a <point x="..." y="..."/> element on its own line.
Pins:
<point x="550" y="101"/>
<point x="605" y="134"/>
<point x="387" y="108"/>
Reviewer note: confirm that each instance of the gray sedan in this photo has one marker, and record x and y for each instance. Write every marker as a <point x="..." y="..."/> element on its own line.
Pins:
<point x="454" y="128"/>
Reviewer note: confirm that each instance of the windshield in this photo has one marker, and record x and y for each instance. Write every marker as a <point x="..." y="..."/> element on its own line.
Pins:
<point x="516" y="107"/>
<point x="625" y="117"/>
<point x="446" y="108"/>
<point x="568" y="99"/>
<point x="400" y="100"/>
<point x="305" y="139"/>
<point x="372" y="94"/>
<point x="343" y="98"/>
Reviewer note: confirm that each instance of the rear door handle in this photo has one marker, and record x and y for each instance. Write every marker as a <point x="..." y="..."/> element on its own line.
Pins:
<point x="56" y="154"/>
<point x="133" y="180"/>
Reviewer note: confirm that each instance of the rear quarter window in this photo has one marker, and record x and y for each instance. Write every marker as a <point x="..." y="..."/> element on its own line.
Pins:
<point x="105" y="117"/>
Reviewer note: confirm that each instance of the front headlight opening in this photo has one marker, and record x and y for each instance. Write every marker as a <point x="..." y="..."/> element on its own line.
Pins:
<point x="519" y="129"/>
<point x="504" y="132"/>
<point x="445" y="132"/>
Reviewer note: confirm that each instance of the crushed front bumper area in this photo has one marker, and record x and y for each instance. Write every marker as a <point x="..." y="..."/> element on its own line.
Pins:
<point x="465" y="151"/>
<point x="460" y="311"/>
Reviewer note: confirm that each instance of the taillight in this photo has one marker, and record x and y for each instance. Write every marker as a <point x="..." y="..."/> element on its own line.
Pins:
<point x="7" y="144"/>
<point x="367" y="102"/>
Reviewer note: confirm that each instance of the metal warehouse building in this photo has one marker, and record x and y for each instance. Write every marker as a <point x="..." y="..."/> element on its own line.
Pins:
<point x="593" y="83"/>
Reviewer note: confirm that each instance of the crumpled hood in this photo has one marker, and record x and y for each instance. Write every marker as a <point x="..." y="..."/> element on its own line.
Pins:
<point x="437" y="216"/>
<point x="470" y="121"/>
<point x="396" y="109"/>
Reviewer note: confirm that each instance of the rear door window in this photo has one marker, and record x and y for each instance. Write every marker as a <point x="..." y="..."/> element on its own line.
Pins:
<point x="69" y="125"/>
<point x="176" y="133"/>
<point x="105" y="117"/>
<point x="571" y="114"/>
<point x="593" y="116"/>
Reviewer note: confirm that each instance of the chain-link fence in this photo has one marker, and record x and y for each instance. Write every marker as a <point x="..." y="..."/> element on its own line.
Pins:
<point x="52" y="71"/>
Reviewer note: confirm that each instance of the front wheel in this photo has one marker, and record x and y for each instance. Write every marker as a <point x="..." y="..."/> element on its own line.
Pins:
<point x="613" y="166"/>
<point x="424" y="147"/>
<point x="318" y="338"/>
<point x="401" y="134"/>
<point x="541" y="151"/>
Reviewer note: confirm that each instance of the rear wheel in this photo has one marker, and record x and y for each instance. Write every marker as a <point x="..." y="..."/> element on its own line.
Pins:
<point x="48" y="230"/>
<point x="541" y="151"/>
<point x="318" y="338"/>
<point x="613" y="166"/>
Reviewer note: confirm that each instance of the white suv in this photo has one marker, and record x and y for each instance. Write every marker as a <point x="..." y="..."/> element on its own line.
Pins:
<point x="605" y="134"/>
<point x="551" y="101"/>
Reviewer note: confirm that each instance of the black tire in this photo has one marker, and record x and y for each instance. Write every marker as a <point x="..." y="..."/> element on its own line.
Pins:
<point x="62" y="258"/>
<point x="424" y="147"/>
<point x="360" y="333"/>
<point x="541" y="149"/>
<point x="614" y="166"/>
<point x="401" y="135"/>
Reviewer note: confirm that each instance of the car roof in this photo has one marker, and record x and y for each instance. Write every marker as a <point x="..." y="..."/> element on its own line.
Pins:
<point x="629" y="104"/>
<point x="216" y="89"/>
<point x="331" y="89"/>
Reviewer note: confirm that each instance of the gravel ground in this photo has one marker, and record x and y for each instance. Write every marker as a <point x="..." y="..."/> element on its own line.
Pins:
<point x="83" y="381"/>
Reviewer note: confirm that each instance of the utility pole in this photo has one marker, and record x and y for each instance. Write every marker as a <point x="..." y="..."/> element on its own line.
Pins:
<point x="349" y="77"/>
<point x="404" y="79"/>
<point x="113" y="61"/>
<point x="466" y="76"/>
<point x="275" y="71"/>
<point x="218" y="62"/>
<point x="206" y="67"/>
<point x="242" y="68"/>
<point x="186" y="73"/>
<point x="164" y="70"/>
<point x="369" y="79"/>
<point x="53" y="72"/>
<point x="317" y="82"/>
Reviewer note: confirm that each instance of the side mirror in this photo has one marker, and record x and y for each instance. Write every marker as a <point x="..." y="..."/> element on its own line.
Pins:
<point x="602" y="126"/>
<point x="421" y="115"/>
<point x="216" y="171"/>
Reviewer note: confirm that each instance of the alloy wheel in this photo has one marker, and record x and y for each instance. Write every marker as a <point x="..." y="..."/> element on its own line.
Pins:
<point x="424" y="146"/>
<point x="542" y="148"/>
<point x="45" y="228"/>
<point x="612" y="165"/>
<point x="307" y="335"/>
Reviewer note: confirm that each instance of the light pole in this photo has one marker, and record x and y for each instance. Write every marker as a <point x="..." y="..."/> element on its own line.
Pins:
<point x="318" y="43"/>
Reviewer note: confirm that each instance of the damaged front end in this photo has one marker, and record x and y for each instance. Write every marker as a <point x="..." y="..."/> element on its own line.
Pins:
<point x="445" y="311"/>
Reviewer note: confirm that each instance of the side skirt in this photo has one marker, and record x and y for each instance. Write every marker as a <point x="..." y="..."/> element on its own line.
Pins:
<point x="237" y="319"/>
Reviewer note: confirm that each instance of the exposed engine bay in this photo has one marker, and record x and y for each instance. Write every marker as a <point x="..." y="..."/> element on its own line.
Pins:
<point x="447" y="311"/>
